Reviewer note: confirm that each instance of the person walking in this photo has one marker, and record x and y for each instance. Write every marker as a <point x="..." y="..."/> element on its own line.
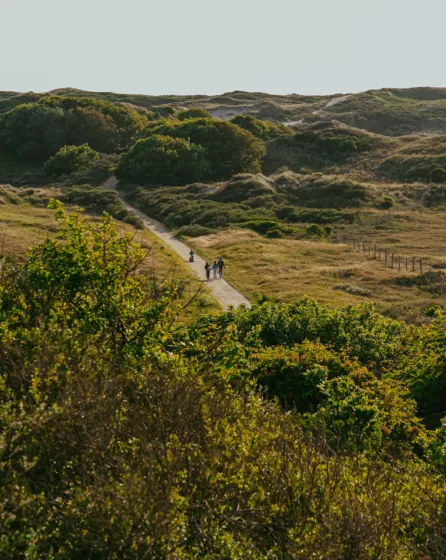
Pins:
<point x="207" y="268"/>
<point x="221" y="265"/>
<point x="214" y="269"/>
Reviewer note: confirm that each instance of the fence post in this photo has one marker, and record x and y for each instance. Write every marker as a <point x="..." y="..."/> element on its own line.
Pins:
<point x="407" y="260"/>
<point x="385" y="257"/>
<point x="374" y="253"/>
<point x="399" y="263"/>
<point x="379" y="254"/>
<point x="421" y="266"/>
<point x="370" y="248"/>
<point x="413" y="264"/>
<point x="363" y="246"/>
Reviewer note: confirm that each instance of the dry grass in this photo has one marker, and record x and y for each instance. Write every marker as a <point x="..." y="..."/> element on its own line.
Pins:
<point x="286" y="270"/>
<point x="23" y="226"/>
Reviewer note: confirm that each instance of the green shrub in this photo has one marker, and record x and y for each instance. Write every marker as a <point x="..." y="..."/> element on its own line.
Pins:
<point x="39" y="130"/>
<point x="163" y="160"/>
<point x="194" y="230"/>
<point x="101" y="200"/>
<point x="193" y="113"/>
<point x="438" y="175"/>
<point x="265" y="130"/>
<point x="275" y="234"/>
<point x="230" y="149"/>
<point x="387" y="203"/>
<point x="70" y="159"/>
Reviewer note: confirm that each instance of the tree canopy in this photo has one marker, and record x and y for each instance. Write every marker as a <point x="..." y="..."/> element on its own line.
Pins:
<point x="71" y="158"/>
<point x="163" y="160"/>
<point x="38" y="130"/>
<point x="230" y="149"/>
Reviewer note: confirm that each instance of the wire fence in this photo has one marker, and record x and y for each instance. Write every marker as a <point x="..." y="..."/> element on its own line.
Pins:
<point x="391" y="258"/>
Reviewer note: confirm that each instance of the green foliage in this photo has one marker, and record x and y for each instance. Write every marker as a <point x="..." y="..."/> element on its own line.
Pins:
<point x="438" y="175"/>
<point x="38" y="130"/>
<point x="230" y="149"/>
<point x="265" y="130"/>
<point x="71" y="158"/>
<point x="125" y="434"/>
<point x="387" y="203"/>
<point x="193" y="113"/>
<point x="101" y="200"/>
<point x="163" y="160"/>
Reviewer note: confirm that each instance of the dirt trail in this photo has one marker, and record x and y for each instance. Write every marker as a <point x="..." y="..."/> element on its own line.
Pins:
<point x="223" y="292"/>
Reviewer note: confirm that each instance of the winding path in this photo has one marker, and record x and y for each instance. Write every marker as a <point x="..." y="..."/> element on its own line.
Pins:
<point x="223" y="292"/>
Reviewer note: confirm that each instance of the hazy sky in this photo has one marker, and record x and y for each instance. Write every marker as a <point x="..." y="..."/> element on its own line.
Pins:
<point x="209" y="46"/>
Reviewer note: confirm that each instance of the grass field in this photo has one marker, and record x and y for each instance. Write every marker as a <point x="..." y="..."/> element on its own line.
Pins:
<point x="288" y="269"/>
<point x="23" y="226"/>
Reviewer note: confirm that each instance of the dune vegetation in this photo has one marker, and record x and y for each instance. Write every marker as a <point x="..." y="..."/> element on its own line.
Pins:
<point x="137" y="419"/>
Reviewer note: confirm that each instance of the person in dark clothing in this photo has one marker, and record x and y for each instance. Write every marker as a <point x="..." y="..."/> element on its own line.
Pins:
<point x="221" y="265"/>
<point x="207" y="268"/>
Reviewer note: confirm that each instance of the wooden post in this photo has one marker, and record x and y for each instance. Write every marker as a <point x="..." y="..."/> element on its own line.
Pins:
<point x="392" y="261"/>
<point x="370" y="249"/>
<point x="407" y="261"/>
<point x="363" y="246"/>
<point x="374" y="253"/>
<point x="421" y="266"/>
<point x="399" y="263"/>
<point x="385" y="257"/>
<point x="413" y="264"/>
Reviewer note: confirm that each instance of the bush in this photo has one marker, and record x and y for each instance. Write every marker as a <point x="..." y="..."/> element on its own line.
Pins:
<point x="230" y="149"/>
<point x="193" y="113"/>
<point x="163" y="160"/>
<point x="438" y="175"/>
<point x="275" y="234"/>
<point x="387" y="203"/>
<point x="71" y="158"/>
<point x="194" y="230"/>
<point x="265" y="130"/>
<point x="101" y="200"/>
<point x="354" y="290"/>
<point x="39" y="130"/>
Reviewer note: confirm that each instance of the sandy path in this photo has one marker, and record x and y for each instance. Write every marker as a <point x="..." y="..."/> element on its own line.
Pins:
<point x="223" y="292"/>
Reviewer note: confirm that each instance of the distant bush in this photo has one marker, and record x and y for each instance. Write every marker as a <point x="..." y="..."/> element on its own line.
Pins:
<point x="387" y="202"/>
<point x="265" y="130"/>
<point x="70" y="159"/>
<point x="353" y="290"/>
<point x="275" y="234"/>
<point x="101" y="200"/>
<point x="193" y="113"/>
<point x="230" y="149"/>
<point x="163" y="160"/>
<point x="438" y="175"/>
<point x="194" y="230"/>
<point x="39" y="130"/>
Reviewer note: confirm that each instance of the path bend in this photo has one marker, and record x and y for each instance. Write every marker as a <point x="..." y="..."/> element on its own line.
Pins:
<point x="223" y="292"/>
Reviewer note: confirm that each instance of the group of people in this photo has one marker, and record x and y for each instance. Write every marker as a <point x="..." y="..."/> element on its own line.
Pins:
<point x="217" y="267"/>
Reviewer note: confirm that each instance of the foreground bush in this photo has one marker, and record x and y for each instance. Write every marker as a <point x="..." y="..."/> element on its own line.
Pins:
<point x="127" y="435"/>
<point x="70" y="159"/>
<point x="163" y="160"/>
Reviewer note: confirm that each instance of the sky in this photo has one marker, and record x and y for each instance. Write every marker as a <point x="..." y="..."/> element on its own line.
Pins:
<point x="211" y="47"/>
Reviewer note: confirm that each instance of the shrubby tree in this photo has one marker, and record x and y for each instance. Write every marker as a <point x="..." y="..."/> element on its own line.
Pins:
<point x="230" y="149"/>
<point x="163" y="160"/>
<point x="193" y="113"/>
<point x="261" y="129"/>
<point x="38" y="130"/>
<point x="70" y="159"/>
